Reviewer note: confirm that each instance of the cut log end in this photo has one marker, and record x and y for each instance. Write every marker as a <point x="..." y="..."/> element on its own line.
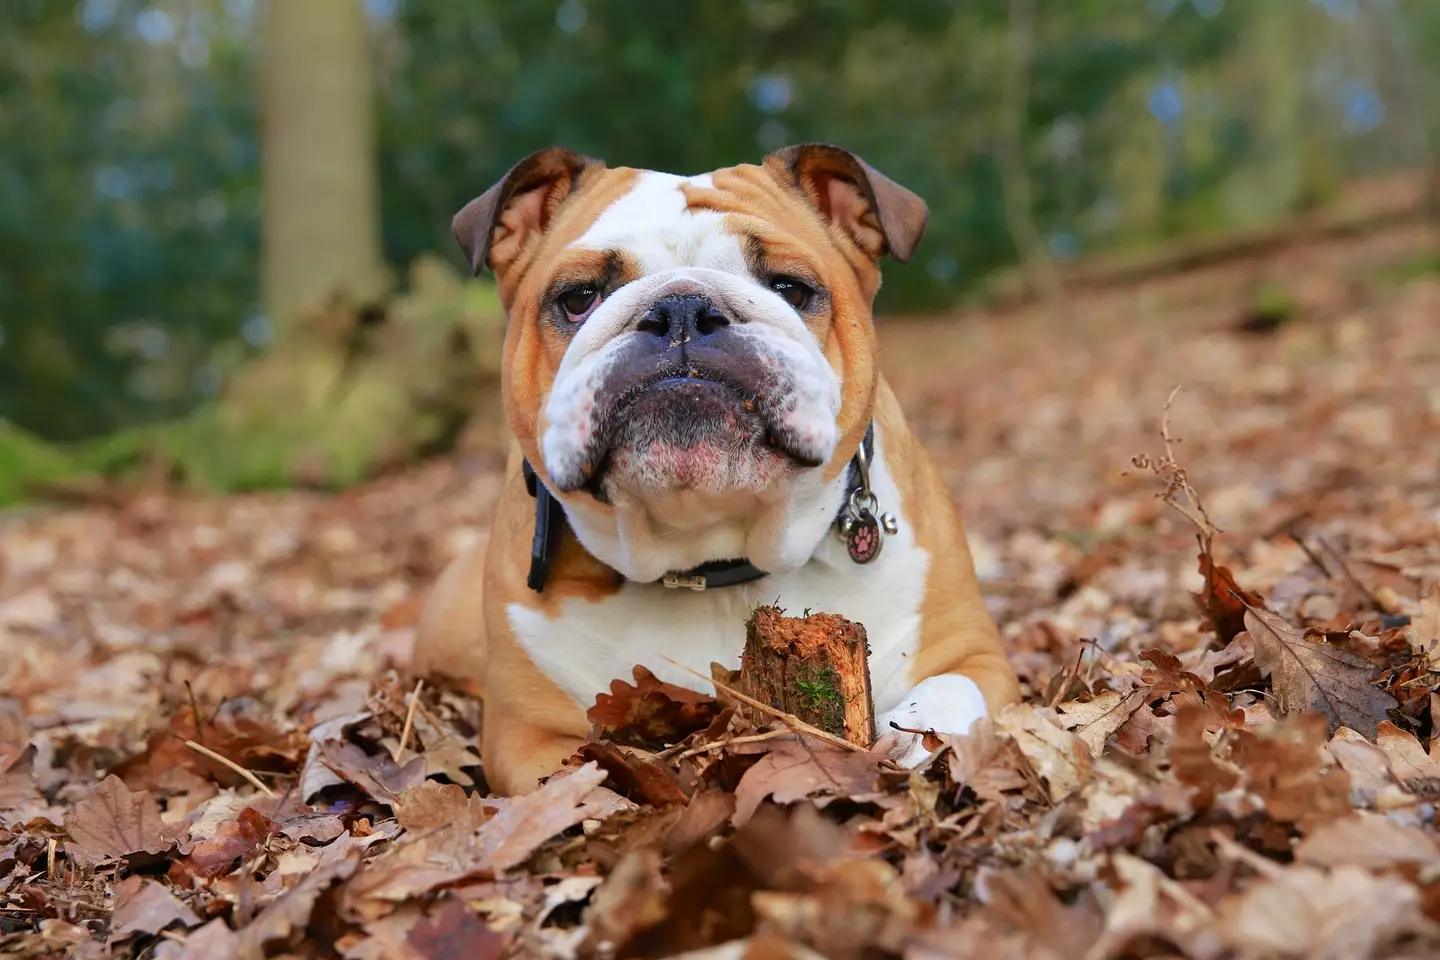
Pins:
<point x="815" y="667"/>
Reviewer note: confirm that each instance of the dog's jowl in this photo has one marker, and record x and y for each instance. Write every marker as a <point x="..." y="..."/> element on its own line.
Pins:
<point x="700" y="427"/>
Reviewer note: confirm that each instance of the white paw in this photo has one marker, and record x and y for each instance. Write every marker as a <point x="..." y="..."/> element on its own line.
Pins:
<point x="948" y="704"/>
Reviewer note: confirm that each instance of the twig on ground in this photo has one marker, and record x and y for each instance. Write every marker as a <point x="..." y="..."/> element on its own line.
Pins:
<point x="195" y="709"/>
<point x="1071" y="674"/>
<point x="254" y="781"/>
<point x="1339" y="557"/>
<point x="409" y="719"/>
<point x="1178" y="494"/>
<point x="789" y="719"/>
<point x="1294" y="533"/>
<point x="731" y="741"/>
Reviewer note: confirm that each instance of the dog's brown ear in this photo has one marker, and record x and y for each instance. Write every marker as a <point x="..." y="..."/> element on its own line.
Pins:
<point x="876" y="212"/>
<point x="494" y="226"/>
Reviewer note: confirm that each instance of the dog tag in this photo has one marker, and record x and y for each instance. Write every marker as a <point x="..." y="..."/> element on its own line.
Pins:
<point x="863" y="538"/>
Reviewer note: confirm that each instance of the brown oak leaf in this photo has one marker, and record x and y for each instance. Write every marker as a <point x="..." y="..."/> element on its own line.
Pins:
<point x="114" y="822"/>
<point x="1285" y="768"/>
<point x="214" y="941"/>
<point x="431" y="804"/>
<point x="237" y="732"/>
<point x="1193" y="759"/>
<point x="1367" y="840"/>
<point x="233" y="840"/>
<point x="377" y="775"/>
<point x="292" y="911"/>
<point x="1094" y="721"/>
<point x="1057" y="755"/>
<point x="638" y="778"/>
<point x="144" y="906"/>
<point x="455" y="934"/>
<point x="1423" y="633"/>
<point x="1310" y="675"/>
<point x="1408" y="759"/>
<point x="792" y="771"/>
<point x="631" y="900"/>
<point x="1223" y="600"/>
<point x="1324" y="915"/>
<point x="527" y="822"/>
<point x="650" y="713"/>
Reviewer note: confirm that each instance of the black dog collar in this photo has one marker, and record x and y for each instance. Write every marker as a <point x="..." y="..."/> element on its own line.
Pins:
<point x="857" y="523"/>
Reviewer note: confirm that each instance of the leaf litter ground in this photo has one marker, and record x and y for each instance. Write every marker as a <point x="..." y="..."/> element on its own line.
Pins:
<point x="209" y="745"/>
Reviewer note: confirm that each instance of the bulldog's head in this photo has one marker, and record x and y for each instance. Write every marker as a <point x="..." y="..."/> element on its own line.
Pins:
<point x="689" y="361"/>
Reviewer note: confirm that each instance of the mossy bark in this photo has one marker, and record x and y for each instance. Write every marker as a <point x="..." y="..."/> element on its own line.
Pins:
<point x="816" y="667"/>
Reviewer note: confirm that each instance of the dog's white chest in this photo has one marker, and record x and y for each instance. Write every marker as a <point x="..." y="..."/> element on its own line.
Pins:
<point x="589" y="644"/>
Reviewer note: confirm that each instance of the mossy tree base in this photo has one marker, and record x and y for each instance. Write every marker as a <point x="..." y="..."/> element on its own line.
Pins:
<point x="816" y="667"/>
<point x="353" y="393"/>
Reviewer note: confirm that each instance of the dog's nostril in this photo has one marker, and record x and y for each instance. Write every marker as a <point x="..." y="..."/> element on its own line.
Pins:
<point x="707" y="321"/>
<point x="656" y="321"/>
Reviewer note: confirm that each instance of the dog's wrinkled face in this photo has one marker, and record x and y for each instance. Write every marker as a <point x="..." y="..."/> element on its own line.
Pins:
<point x="690" y="352"/>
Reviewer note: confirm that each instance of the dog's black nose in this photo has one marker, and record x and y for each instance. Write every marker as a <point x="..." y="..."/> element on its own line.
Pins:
<point x="682" y="317"/>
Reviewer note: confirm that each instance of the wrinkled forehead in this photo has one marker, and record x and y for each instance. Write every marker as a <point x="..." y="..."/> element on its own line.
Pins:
<point x="663" y="222"/>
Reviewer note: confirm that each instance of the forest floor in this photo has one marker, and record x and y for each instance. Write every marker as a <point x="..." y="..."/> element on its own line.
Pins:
<point x="209" y="747"/>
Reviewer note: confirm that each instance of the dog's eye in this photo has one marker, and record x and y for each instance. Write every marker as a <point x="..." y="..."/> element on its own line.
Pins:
<point x="578" y="303"/>
<point x="792" y="291"/>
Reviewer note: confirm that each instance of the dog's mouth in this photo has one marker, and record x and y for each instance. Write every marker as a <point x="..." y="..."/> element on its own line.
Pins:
<point x="690" y="428"/>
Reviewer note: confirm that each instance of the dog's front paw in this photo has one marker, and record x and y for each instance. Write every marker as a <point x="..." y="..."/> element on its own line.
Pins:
<point x="949" y="703"/>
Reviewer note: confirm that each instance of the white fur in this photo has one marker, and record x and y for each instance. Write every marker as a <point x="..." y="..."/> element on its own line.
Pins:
<point x="946" y="703"/>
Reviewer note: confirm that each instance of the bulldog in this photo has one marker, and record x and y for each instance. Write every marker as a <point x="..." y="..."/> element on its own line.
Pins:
<point x="699" y="427"/>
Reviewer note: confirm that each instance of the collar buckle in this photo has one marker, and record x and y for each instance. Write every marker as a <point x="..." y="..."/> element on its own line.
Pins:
<point x="679" y="581"/>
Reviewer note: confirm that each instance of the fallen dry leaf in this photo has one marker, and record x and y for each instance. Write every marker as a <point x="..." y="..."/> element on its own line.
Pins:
<point x="114" y="822"/>
<point x="1094" y="721"/>
<point x="214" y="941"/>
<point x="454" y="933"/>
<point x="1310" y="675"/>
<point x="1305" y="912"/>
<point x="1285" y="767"/>
<point x="1151" y="904"/>
<point x="429" y="805"/>
<point x="232" y="841"/>
<point x="630" y="901"/>
<point x="1223" y="600"/>
<point x="637" y="778"/>
<point x="144" y="906"/>
<point x="526" y="822"/>
<point x="1367" y="840"/>
<point x="650" y="713"/>
<point x="1058" y="756"/>
<point x="1408" y="760"/>
<point x="375" y="774"/>
<point x="792" y="770"/>
<point x="1423" y="632"/>
<point x="292" y="911"/>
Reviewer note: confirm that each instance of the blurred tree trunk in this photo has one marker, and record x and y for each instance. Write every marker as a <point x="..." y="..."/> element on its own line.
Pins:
<point x="357" y="380"/>
<point x="1040" y="274"/>
<point x="321" y="217"/>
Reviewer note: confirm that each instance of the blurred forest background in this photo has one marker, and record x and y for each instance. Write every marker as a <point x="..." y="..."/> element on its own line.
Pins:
<point x="224" y="241"/>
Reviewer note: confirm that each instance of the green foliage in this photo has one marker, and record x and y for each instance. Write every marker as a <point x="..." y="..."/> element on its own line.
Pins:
<point x="819" y="689"/>
<point x="26" y="460"/>
<point x="129" y="183"/>
<point x="129" y="211"/>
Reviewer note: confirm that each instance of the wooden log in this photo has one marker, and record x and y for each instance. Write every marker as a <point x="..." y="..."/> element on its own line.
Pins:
<point x="816" y="667"/>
